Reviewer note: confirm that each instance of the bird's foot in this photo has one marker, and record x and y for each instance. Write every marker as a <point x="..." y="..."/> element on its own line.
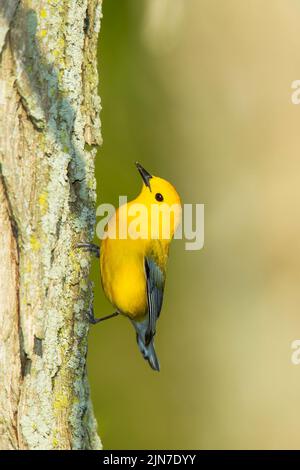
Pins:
<point x="93" y="320"/>
<point x="95" y="249"/>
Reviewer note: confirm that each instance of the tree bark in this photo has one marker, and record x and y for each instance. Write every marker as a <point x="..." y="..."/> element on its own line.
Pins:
<point x="49" y="131"/>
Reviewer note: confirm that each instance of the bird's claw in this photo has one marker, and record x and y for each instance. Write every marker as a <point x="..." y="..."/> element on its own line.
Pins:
<point x="95" y="249"/>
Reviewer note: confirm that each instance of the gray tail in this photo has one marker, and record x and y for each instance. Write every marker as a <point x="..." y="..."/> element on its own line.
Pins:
<point x="148" y="351"/>
<point x="150" y="354"/>
<point x="152" y="358"/>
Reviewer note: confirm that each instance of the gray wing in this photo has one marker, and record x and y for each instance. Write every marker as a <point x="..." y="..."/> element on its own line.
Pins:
<point x="155" y="290"/>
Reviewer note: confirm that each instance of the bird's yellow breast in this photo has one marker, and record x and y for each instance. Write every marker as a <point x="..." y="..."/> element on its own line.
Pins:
<point x="123" y="276"/>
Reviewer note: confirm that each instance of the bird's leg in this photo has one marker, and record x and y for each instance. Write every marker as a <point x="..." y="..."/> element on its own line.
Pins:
<point x="95" y="249"/>
<point x="94" y="320"/>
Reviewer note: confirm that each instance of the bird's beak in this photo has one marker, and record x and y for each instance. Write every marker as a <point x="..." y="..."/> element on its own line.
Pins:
<point x="144" y="174"/>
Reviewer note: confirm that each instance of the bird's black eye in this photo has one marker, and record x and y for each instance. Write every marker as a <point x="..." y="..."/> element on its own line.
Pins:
<point x="159" y="197"/>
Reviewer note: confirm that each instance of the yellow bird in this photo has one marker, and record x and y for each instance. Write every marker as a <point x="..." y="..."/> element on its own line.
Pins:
<point x="133" y="257"/>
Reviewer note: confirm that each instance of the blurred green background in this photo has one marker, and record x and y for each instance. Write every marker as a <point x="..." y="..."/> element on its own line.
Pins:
<point x="199" y="91"/>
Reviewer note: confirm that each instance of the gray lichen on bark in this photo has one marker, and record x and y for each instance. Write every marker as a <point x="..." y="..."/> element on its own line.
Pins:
<point x="49" y="115"/>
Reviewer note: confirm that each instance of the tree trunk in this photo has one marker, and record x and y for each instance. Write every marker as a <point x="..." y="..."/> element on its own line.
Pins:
<point x="49" y="130"/>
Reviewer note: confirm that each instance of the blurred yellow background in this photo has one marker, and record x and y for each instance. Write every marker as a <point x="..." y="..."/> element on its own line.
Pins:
<point x="199" y="91"/>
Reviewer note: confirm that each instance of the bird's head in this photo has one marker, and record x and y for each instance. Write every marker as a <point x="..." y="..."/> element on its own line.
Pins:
<point x="158" y="195"/>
